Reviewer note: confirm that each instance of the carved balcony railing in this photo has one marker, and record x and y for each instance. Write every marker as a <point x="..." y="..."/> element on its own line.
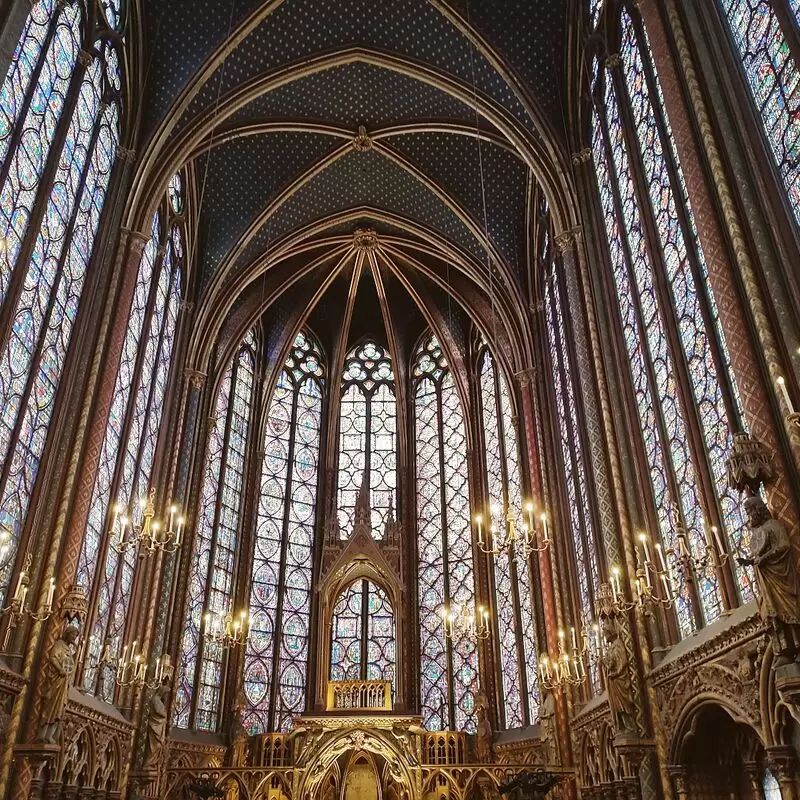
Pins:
<point x="359" y="696"/>
<point x="269" y="750"/>
<point x="445" y="747"/>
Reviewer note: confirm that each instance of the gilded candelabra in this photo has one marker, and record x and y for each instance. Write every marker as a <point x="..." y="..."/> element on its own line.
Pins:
<point x="505" y="535"/>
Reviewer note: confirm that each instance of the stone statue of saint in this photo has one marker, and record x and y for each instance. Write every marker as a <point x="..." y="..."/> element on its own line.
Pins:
<point x="778" y="579"/>
<point x="618" y="680"/>
<point x="547" y="727"/>
<point x="483" y="732"/>
<point x="156" y="727"/>
<point x="236" y="755"/>
<point x="57" y="678"/>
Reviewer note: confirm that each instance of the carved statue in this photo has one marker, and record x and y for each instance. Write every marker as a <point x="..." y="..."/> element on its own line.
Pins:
<point x="618" y="680"/>
<point x="57" y="677"/>
<point x="236" y="755"/>
<point x="156" y="727"/>
<point x="547" y="727"/>
<point x="483" y="732"/>
<point x="778" y="579"/>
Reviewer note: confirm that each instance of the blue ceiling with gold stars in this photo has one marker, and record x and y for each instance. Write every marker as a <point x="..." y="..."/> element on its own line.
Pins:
<point x="287" y="83"/>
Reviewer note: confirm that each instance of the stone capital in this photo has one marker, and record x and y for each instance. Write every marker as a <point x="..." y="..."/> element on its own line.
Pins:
<point x="568" y="240"/>
<point x="526" y="377"/>
<point x="84" y="58"/>
<point x="196" y="378"/>
<point x="126" y="154"/>
<point x="135" y="240"/>
<point x="582" y="156"/>
<point x="613" y="61"/>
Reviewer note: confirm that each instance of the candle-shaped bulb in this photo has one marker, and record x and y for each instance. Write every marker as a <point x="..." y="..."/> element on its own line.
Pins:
<point x="785" y="392"/>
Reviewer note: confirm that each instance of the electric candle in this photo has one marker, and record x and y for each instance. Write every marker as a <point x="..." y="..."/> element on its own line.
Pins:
<point x="643" y="540"/>
<point x="785" y="393"/>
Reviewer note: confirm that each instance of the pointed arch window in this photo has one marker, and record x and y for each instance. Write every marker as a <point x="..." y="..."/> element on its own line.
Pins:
<point x="448" y="668"/>
<point x="276" y="656"/>
<point x="363" y="634"/>
<point x="766" y="35"/>
<point x="686" y="396"/>
<point x="367" y="435"/>
<point x="59" y="131"/>
<point x="514" y="578"/>
<point x="127" y="455"/>
<point x="573" y="464"/>
<point x="217" y="533"/>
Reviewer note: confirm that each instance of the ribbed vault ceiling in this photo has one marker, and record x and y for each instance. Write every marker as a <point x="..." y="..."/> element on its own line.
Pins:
<point x="461" y="103"/>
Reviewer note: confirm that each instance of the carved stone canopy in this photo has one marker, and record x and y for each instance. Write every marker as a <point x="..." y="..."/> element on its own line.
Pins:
<point x="750" y="464"/>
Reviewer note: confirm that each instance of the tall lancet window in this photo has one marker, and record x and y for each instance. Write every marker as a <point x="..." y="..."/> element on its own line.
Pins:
<point x="216" y="540"/>
<point x="127" y="455"/>
<point x="513" y="573"/>
<point x="57" y="151"/>
<point x="761" y="31"/>
<point x="585" y="551"/>
<point x="449" y="667"/>
<point x="276" y="658"/>
<point x="367" y="435"/>
<point x="362" y="637"/>
<point x="687" y="400"/>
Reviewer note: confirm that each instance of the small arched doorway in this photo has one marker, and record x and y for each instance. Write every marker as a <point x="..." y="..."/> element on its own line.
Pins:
<point x="722" y="759"/>
<point x="362" y="637"/>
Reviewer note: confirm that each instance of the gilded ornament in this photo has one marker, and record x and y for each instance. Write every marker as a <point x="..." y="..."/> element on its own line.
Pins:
<point x="749" y="465"/>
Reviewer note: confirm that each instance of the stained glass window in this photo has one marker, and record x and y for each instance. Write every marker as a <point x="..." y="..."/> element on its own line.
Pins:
<point x="363" y="634"/>
<point x="449" y="667"/>
<point x="573" y="463"/>
<point x="127" y="454"/>
<point x="215" y="545"/>
<point x="47" y="230"/>
<point x="667" y="324"/>
<point x="367" y="435"/>
<point x="595" y="7"/>
<point x="773" y="76"/>
<point x="513" y="573"/>
<point x="276" y="657"/>
<point x="772" y="789"/>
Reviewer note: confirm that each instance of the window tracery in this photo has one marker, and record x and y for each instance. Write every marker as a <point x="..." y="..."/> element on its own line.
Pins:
<point x="363" y="634"/>
<point x="48" y="229"/>
<point x="127" y="455"/>
<point x="215" y="546"/>
<point x="677" y="354"/>
<point x="513" y="573"/>
<point x="276" y="656"/>
<point x="449" y="668"/>
<point x="367" y="435"/>
<point x="760" y="37"/>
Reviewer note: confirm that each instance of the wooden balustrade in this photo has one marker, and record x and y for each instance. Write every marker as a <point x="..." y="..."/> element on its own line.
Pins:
<point x="359" y="696"/>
